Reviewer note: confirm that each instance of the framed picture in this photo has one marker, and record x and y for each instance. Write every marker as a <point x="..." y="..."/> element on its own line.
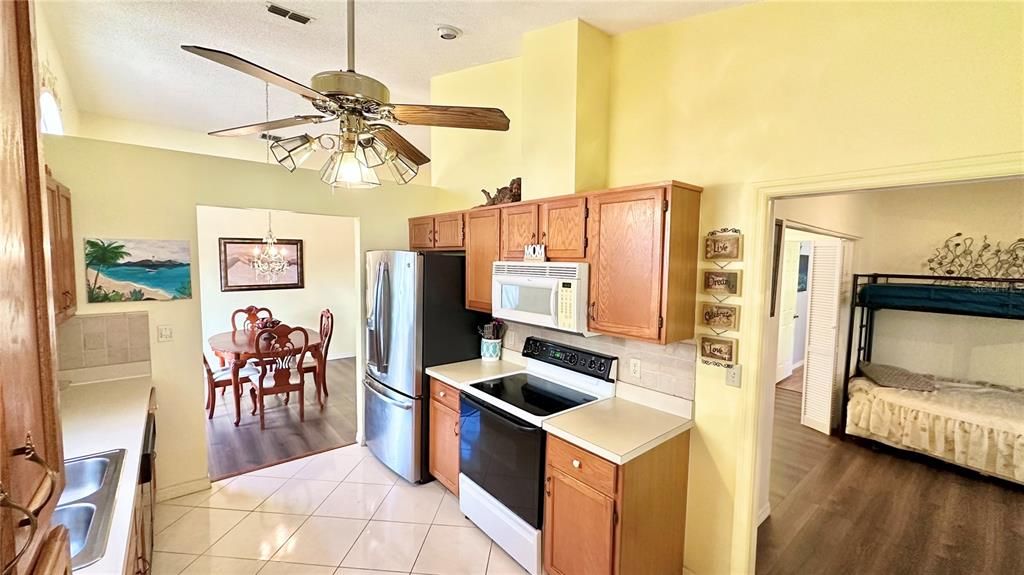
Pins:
<point x="723" y="248"/>
<point x="722" y="283"/>
<point x="137" y="270"/>
<point x="237" y="273"/>
<point x="720" y="316"/>
<point x="715" y="348"/>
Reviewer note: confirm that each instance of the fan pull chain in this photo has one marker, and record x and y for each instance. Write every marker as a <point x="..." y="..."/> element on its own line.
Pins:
<point x="266" y="98"/>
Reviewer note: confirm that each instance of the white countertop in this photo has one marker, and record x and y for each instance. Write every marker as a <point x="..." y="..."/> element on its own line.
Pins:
<point x="616" y="429"/>
<point x="463" y="373"/>
<point x="103" y="416"/>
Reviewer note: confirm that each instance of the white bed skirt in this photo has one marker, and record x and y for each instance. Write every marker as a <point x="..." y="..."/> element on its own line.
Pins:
<point x="972" y="426"/>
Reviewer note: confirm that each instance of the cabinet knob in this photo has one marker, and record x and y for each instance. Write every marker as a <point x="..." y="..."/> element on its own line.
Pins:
<point x="577" y="463"/>
<point x="440" y="394"/>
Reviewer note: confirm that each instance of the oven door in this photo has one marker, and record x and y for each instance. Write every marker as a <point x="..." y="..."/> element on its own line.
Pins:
<point x="526" y="300"/>
<point x="504" y="456"/>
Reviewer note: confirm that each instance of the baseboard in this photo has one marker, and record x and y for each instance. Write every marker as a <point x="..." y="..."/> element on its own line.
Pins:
<point x="341" y="356"/>
<point x="764" y="513"/>
<point x="180" y="489"/>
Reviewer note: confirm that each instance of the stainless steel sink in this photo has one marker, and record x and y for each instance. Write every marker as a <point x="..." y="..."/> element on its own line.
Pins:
<point x="87" y="504"/>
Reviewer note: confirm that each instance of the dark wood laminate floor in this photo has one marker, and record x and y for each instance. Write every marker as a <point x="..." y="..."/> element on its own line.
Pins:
<point x="848" y="507"/>
<point x="234" y="450"/>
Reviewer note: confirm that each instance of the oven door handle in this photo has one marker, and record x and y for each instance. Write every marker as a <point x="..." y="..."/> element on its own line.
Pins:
<point x="508" y="418"/>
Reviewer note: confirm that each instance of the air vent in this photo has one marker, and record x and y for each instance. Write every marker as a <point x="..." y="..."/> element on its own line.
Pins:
<point x="539" y="270"/>
<point x="286" y="13"/>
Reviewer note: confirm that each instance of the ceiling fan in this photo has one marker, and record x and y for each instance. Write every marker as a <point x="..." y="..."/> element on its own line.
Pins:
<point x="363" y="107"/>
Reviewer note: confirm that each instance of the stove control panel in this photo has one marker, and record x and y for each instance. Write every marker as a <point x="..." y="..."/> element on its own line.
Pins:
<point x="579" y="360"/>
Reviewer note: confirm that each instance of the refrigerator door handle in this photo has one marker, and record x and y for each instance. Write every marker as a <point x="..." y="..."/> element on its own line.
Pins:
<point x="373" y="323"/>
<point x="380" y="393"/>
<point x="384" y="321"/>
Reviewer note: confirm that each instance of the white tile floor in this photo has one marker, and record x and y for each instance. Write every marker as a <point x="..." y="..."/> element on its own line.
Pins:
<point x="336" y="513"/>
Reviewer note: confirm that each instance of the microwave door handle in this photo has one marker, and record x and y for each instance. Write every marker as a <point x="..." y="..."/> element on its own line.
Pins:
<point x="554" y="305"/>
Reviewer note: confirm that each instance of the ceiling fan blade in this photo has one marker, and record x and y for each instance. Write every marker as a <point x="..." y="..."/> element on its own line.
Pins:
<point x="255" y="70"/>
<point x="395" y="141"/>
<point x="271" y="125"/>
<point x="451" y="116"/>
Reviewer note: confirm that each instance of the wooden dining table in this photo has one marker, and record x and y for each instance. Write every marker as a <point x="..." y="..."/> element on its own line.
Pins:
<point x="236" y="348"/>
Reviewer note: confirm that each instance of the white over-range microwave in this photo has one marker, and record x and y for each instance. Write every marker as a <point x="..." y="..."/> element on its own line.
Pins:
<point x="547" y="294"/>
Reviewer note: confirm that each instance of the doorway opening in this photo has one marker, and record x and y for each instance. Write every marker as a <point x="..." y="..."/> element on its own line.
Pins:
<point x="812" y="485"/>
<point x="322" y="272"/>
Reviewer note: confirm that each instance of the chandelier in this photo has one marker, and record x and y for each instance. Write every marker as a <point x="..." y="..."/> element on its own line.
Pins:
<point x="356" y="154"/>
<point x="270" y="260"/>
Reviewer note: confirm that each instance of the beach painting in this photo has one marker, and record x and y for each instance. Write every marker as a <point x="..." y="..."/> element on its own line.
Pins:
<point x="137" y="270"/>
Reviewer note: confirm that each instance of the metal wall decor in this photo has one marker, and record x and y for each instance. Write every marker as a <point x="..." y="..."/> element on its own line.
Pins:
<point x="963" y="256"/>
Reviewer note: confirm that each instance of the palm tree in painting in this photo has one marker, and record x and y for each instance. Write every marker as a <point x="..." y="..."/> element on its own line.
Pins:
<point x="100" y="255"/>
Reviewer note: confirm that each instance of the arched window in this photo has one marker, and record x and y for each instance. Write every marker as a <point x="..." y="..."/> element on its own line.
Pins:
<point x="50" y="113"/>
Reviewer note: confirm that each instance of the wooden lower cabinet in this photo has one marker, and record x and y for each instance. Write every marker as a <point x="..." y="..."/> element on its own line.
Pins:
<point x="607" y="519"/>
<point x="444" y="435"/>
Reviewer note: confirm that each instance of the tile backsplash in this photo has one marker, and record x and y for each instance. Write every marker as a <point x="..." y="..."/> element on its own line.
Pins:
<point x="669" y="369"/>
<point x="103" y="339"/>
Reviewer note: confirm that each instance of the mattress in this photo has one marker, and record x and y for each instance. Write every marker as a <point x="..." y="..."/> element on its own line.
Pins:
<point x="976" y="426"/>
<point x="960" y="300"/>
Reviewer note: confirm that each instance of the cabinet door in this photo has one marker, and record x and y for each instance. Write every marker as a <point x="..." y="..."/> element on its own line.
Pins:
<point x="66" y="252"/>
<point x="54" y="554"/>
<point x="563" y="228"/>
<point x="626" y="231"/>
<point x="579" y="528"/>
<point x="448" y="231"/>
<point x="60" y="303"/>
<point x="444" y="445"/>
<point x="483" y="242"/>
<point x="519" y="225"/>
<point x="421" y="233"/>
<point x="28" y="395"/>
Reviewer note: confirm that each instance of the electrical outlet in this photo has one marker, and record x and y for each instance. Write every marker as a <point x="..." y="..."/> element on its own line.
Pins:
<point x="634" y="367"/>
<point x="164" y="333"/>
<point x="732" y="375"/>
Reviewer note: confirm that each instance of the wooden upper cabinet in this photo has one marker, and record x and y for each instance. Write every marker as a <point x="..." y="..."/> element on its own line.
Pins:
<point x="643" y="261"/>
<point x="448" y="231"/>
<point x="421" y="233"/>
<point x="626" y="242"/>
<point x="579" y="527"/>
<point x="519" y="228"/>
<point x="563" y="228"/>
<point x="62" y="250"/>
<point x="483" y="248"/>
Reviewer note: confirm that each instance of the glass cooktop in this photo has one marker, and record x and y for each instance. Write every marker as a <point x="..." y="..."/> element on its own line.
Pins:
<point x="533" y="394"/>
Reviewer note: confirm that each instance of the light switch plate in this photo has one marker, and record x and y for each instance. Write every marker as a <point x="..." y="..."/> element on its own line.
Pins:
<point x="164" y="333"/>
<point x="732" y="375"/>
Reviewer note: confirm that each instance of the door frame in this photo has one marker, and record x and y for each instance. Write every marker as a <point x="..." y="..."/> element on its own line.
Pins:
<point x="750" y="453"/>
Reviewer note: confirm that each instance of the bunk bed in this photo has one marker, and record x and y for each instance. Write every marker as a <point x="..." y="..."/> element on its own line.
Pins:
<point x="979" y="426"/>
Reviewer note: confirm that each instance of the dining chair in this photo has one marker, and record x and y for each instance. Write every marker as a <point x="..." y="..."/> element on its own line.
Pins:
<point x="281" y="352"/>
<point x="326" y="331"/>
<point x="247" y="317"/>
<point x="221" y="378"/>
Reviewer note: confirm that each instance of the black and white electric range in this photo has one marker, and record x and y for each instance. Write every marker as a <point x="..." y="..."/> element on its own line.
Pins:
<point x="502" y="443"/>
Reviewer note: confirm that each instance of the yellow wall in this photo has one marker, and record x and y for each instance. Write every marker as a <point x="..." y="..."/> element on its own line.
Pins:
<point x="52" y="74"/>
<point x="472" y="160"/>
<point x="126" y="191"/>
<point x="779" y="90"/>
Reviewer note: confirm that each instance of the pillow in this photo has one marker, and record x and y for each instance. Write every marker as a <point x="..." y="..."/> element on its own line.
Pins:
<point x="892" y="376"/>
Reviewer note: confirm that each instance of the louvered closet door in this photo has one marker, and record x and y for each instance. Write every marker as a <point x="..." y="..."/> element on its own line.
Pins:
<point x="822" y="335"/>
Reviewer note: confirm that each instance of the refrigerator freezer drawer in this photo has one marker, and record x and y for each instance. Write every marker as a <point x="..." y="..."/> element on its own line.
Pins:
<point x="394" y="429"/>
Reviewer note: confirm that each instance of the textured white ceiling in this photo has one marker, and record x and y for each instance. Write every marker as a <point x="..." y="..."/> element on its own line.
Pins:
<point x="124" y="60"/>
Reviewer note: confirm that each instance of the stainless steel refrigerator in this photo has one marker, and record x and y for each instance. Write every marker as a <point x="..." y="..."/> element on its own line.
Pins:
<point x="415" y="318"/>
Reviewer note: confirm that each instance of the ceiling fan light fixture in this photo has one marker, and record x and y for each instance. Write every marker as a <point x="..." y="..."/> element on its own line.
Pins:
<point x="402" y="169"/>
<point x="347" y="168"/>
<point x="374" y="151"/>
<point x="292" y="152"/>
